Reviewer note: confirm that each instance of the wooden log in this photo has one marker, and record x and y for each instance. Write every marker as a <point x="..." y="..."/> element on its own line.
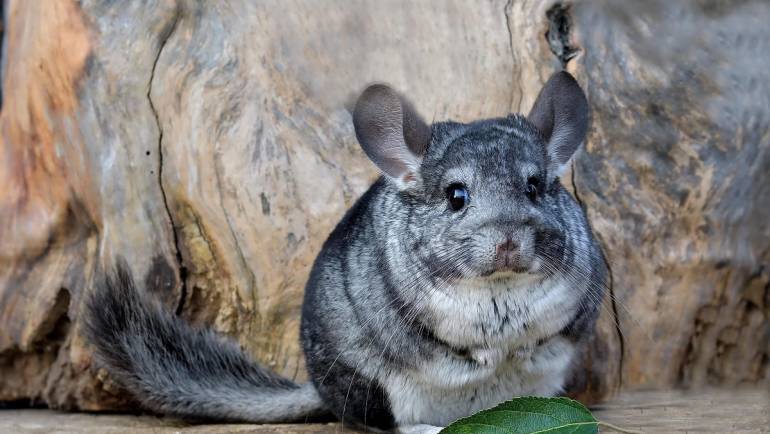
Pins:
<point x="210" y="145"/>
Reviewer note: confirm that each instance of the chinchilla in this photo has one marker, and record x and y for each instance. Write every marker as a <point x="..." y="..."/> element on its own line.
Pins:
<point x="465" y="276"/>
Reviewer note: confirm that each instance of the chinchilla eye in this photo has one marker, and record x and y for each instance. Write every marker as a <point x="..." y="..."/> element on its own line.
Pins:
<point x="457" y="195"/>
<point x="532" y="184"/>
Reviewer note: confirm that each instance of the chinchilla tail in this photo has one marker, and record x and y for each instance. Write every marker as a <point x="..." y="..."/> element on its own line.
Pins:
<point x="173" y="368"/>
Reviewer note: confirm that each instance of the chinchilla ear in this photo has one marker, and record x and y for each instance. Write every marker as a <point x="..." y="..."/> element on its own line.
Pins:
<point x="561" y="114"/>
<point x="391" y="133"/>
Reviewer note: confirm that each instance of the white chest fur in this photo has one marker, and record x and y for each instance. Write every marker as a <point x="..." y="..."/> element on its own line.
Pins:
<point x="502" y="325"/>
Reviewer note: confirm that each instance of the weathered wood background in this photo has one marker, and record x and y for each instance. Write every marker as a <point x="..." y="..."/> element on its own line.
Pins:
<point x="209" y="144"/>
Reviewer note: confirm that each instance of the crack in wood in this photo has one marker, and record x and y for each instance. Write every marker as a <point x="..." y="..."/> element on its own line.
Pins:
<point x="507" y="14"/>
<point x="165" y="35"/>
<point x="610" y="283"/>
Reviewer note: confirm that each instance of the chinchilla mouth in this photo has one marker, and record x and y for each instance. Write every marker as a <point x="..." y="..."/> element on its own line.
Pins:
<point x="512" y="271"/>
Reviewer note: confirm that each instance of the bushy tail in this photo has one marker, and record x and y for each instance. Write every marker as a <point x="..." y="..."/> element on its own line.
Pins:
<point x="174" y="368"/>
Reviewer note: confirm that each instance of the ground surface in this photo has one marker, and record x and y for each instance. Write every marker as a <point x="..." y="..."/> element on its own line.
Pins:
<point x="746" y="410"/>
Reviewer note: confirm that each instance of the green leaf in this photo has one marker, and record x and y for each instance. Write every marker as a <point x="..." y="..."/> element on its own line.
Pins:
<point x="529" y="415"/>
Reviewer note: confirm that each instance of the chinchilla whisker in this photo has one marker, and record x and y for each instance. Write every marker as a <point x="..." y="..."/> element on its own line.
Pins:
<point x="619" y="303"/>
<point x="576" y="274"/>
<point x="578" y="281"/>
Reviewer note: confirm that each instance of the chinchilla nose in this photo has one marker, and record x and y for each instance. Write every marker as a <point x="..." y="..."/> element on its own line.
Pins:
<point x="506" y="246"/>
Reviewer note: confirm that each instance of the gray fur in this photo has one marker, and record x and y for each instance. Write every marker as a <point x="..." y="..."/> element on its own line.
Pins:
<point x="411" y="319"/>
<point x="173" y="368"/>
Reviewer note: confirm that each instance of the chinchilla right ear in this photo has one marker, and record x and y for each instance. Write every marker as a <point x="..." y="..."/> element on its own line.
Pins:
<point x="391" y="133"/>
<point x="561" y="114"/>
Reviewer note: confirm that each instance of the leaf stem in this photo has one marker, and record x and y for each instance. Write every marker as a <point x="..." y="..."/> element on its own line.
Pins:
<point x="618" y="429"/>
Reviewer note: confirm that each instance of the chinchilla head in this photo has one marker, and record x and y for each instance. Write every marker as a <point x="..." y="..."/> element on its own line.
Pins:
<point x="476" y="199"/>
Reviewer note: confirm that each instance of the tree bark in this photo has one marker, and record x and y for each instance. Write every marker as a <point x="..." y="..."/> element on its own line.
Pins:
<point x="209" y="144"/>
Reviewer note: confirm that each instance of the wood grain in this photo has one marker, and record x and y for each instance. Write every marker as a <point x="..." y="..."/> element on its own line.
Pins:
<point x="712" y="410"/>
<point x="210" y="144"/>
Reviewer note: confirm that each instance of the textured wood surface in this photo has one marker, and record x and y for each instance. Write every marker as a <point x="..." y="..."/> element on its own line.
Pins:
<point x="209" y="143"/>
<point x="714" y="410"/>
<point x="676" y="180"/>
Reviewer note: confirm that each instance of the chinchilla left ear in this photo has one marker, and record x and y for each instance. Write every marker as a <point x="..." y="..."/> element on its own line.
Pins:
<point x="391" y="133"/>
<point x="561" y="114"/>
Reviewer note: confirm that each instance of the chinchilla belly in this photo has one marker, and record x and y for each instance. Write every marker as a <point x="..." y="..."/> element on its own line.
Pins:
<point x="446" y="388"/>
<point x="512" y="347"/>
